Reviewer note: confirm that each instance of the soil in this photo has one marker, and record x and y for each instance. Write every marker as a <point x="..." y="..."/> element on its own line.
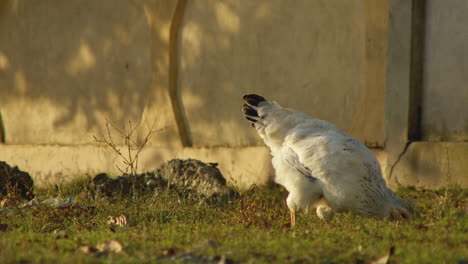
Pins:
<point x="15" y="184"/>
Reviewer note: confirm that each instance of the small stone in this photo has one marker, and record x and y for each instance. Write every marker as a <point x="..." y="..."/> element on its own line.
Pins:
<point x="111" y="246"/>
<point x="87" y="249"/>
<point x="151" y="183"/>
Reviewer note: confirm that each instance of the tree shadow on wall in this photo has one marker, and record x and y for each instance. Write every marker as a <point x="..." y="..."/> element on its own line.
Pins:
<point x="92" y="60"/>
<point x="85" y="60"/>
<point x="308" y="55"/>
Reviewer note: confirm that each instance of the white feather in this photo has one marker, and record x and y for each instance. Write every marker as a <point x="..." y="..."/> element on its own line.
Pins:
<point x="314" y="159"/>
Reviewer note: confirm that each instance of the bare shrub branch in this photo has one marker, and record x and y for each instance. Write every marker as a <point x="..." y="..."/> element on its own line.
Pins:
<point x="132" y="147"/>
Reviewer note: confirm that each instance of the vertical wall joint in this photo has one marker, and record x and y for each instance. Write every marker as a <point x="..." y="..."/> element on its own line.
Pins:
<point x="416" y="70"/>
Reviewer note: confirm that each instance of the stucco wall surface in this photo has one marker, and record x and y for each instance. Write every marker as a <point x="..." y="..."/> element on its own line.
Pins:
<point x="445" y="83"/>
<point x="67" y="66"/>
<point x="325" y="58"/>
<point x="432" y="165"/>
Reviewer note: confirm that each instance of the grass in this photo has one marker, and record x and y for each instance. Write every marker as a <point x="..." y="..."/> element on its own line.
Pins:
<point x="166" y="227"/>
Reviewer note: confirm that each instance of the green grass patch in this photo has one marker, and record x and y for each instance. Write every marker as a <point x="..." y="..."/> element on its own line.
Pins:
<point x="169" y="227"/>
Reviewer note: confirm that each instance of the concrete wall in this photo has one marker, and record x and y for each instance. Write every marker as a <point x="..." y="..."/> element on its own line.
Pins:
<point x="67" y="67"/>
<point x="432" y="165"/>
<point x="445" y="77"/>
<point x="426" y="94"/>
<point x="310" y="55"/>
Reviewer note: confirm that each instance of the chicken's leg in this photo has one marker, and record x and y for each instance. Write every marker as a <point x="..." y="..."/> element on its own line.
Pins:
<point x="293" y="218"/>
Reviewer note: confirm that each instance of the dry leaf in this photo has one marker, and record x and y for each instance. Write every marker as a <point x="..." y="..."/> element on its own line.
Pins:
<point x="120" y="220"/>
<point x="111" y="246"/>
<point x="383" y="259"/>
<point x="87" y="249"/>
<point x="422" y="227"/>
<point x="168" y="251"/>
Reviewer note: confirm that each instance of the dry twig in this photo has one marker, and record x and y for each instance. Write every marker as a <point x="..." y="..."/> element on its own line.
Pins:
<point x="133" y="147"/>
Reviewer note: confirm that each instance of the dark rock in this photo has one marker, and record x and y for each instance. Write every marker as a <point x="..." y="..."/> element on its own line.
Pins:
<point x="14" y="183"/>
<point x="126" y="184"/>
<point x="195" y="176"/>
<point x="191" y="177"/>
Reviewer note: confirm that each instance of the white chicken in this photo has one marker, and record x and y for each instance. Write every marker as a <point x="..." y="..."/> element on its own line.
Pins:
<point x="314" y="160"/>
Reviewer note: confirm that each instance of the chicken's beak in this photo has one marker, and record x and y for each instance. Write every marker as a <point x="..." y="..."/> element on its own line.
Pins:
<point x="399" y="214"/>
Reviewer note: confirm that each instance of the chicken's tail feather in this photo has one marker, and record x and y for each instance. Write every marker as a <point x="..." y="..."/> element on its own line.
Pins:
<point x="253" y="99"/>
<point x="250" y="107"/>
